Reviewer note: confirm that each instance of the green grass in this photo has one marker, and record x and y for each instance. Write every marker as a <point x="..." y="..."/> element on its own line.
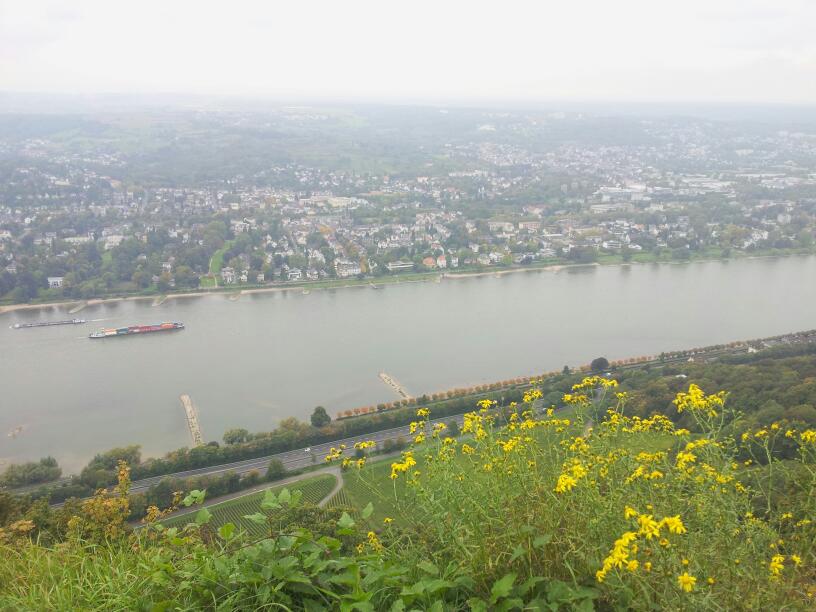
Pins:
<point x="217" y="260"/>
<point x="373" y="483"/>
<point x="207" y="282"/>
<point x="233" y="510"/>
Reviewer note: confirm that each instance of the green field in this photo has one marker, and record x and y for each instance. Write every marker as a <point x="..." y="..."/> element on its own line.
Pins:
<point x="233" y="510"/>
<point x="341" y="500"/>
<point x="217" y="260"/>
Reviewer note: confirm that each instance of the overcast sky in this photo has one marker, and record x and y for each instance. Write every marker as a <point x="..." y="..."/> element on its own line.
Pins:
<point x="416" y="50"/>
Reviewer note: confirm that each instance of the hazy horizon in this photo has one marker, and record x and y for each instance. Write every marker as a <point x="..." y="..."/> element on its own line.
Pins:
<point x="753" y="52"/>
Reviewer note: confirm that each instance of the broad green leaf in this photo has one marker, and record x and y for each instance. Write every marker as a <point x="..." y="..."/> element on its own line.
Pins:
<point x="295" y="500"/>
<point x="367" y="510"/>
<point x="284" y="497"/>
<point x="226" y="530"/>
<point x="203" y="517"/>
<point x="437" y="584"/>
<point x="345" y="522"/>
<point x="517" y="552"/>
<point x="514" y="603"/>
<point x="585" y="605"/>
<point x="542" y="540"/>
<point x="477" y="605"/>
<point x="270" y="501"/>
<point x="428" y="567"/>
<point x="502" y="587"/>
<point x="194" y="497"/>
<point x="257" y="518"/>
<point x="529" y="584"/>
<point x="561" y="592"/>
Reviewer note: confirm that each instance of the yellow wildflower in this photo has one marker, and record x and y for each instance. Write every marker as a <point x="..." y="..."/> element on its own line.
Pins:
<point x="565" y="483"/>
<point x="686" y="582"/>
<point x="674" y="524"/>
<point x="648" y="526"/>
<point x="776" y="565"/>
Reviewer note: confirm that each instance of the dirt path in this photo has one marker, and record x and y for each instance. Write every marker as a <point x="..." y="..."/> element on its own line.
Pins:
<point x="322" y="503"/>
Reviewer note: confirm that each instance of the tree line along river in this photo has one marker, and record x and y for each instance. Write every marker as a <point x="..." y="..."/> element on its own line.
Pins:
<point x="253" y="361"/>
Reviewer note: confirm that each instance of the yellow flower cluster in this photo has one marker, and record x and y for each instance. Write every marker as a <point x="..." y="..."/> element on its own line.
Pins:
<point x="372" y="541"/>
<point x="572" y="474"/>
<point x="349" y="462"/>
<point x="576" y="399"/>
<point x="403" y="466"/>
<point x="615" y="422"/>
<point x="423" y="413"/>
<point x="776" y="565"/>
<point x="683" y="459"/>
<point x="593" y="382"/>
<point x="643" y="473"/>
<point x="565" y="483"/>
<point x="697" y="401"/>
<point x="579" y="445"/>
<point x="365" y="445"/>
<point x="618" y="556"/>
<point x="508" y="446"/>
<point x="474" y="424"/>
<point x="334" y="453"/>
<point x="626" y="545"/>
<point x="485" y="404"/>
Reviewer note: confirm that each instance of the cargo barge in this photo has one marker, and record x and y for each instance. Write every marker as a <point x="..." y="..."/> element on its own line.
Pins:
<point x="48" y="323"/>
<point x="135" y="330"/>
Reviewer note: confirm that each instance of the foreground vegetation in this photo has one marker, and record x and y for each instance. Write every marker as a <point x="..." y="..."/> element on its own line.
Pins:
<point x="596" y="509"/>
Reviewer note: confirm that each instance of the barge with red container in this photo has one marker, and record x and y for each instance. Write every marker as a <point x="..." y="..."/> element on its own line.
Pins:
<point x="135" y="330"/>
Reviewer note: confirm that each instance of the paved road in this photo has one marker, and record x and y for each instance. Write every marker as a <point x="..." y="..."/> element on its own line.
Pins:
<point x="292" y="460"/>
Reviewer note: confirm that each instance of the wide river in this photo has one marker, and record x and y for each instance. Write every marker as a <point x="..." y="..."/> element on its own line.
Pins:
<point x="253" y="361"/>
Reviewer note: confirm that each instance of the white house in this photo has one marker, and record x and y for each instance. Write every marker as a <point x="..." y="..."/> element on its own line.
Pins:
<point x="228" y="275"/>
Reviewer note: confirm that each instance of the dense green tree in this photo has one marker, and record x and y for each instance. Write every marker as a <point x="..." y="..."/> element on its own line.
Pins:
<point x="599" y="364"/>
<point x="320" y="418"/>
<point x="44" y="470"/>
<point x="235" y="436"/>
<point x="276" y="470"/>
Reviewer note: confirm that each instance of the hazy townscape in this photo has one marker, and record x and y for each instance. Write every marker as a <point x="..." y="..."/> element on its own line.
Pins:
<point x="155" y="201"/>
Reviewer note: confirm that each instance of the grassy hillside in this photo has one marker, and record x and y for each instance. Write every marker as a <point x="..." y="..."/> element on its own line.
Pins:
<point x="600" y="508"/>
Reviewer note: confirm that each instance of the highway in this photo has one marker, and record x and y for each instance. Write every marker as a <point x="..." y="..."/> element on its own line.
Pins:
<point x="292" y="460"/>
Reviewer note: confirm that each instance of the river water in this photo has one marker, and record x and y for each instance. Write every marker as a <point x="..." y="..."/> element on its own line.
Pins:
<point x="253" y="361"/>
